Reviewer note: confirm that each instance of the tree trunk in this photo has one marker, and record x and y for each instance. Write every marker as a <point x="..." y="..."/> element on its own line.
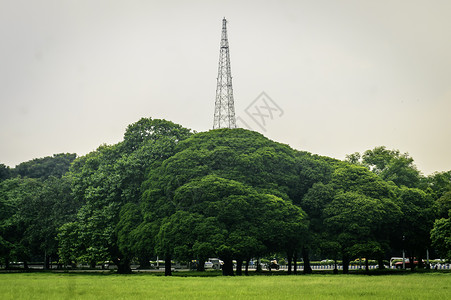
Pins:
<point x="246" y="269"/>
<point x="290" y="259"/>
<point x="380" y="263"/>
<point x="167" y="266"/>
<point x="305" y="257"/>
<point x="259" y="266"/>
<point x="345" y="264"/>
<point x="367" y="267"/>
<point x="46" y="262"/>
<point x="7" y="266"/>
<point x="295" y="263"/>
<point x="227" y="268"/>
<point x="239" y="267"/>
<point x="420" y="261"/>
<point x="335" y="267"/>
<point x="144" y="262"/>
<point x="201" y="265"/>
<point x="25" y="265"/>
<point x="412" y="263"/>
<point x="124" y="268"/>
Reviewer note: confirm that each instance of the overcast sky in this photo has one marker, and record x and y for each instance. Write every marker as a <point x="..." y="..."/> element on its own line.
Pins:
<point x="345" y="75"/>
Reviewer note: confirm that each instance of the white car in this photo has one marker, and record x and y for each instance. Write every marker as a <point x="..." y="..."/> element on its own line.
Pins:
<point x="208" y="265"/>
<point x="217" y="263"/>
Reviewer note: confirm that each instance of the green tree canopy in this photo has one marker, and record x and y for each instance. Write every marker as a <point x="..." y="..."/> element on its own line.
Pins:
<point x="391" y="165"/>
<point x="109" y="178"/>
<point x="56" y="165"/>
<point x="441" y="236"/>
<point x="237" y="177"/>
<point x="352" y="213"/>
<point x="415" y="223"/>
<point x="5" y="172"/>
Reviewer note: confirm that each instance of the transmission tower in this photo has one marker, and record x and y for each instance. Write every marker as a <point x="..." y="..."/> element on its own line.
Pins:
<point x="224" y="106"/>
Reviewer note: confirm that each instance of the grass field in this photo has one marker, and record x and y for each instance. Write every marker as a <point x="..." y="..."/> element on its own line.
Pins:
<point x="149" y="286"/>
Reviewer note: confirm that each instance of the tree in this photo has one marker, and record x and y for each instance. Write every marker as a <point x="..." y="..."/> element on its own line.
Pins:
<point x="175" y="237"/>
<point x="241" y="155"/>
<point x="5" y="172"/>
<point x="357" y="223"/>
<point x="314" y="203"/>
<point x="143" y="237"/>
<point x="439" y="187"/>
<point x="45" y="210"/>
<point x="36" y="201"/>
<point x="351" y="214"/>
<point x="147" y="129"/>
<point x="69" y="244"/>
<point x="129" y="217"/>
<point x="187" y="235"/>
<point x="33" y="210"/>
<point x="443" y="205"/>
<point x="392" y="165"/>
<point x="94" y="184"/>
<point x="415" y="196"/>
<point x="285" y="229"/>
<point x="56" y="165"/>
<point x="198" y="179"/>
<point x="312" y="170"/>
<point x="10" y="230"/>
<point x="415" y="223"/>
<point x="441" y="236"/>
<point x="439" y="183"/>
<point x="111" y="177"/>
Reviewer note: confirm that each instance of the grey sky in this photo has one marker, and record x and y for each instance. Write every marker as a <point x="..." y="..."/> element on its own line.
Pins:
<point x="349" y="75"/>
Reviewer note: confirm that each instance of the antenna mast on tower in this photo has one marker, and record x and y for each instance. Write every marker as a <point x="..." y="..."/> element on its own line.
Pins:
<point x="224" y="105"/>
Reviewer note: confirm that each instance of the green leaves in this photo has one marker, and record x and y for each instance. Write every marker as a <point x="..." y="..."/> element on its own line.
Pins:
<point x="393" y="166"/>
<point x="146" y="129"/>
<point x="231" y="193"/>
<point x="32" y="211"/>
<point x="441" y="236"/>
<point x="236" y="179"/>
<point x="56" y="165"/>
<point x="353" y="211"/>
<point x="108" y="184"/>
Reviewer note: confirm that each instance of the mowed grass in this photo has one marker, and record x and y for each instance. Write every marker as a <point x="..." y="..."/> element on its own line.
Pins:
<point x="148" y="286"/>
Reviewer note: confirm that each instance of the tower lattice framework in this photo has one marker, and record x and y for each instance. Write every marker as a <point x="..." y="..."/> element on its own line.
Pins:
<point x="224" y="105"/>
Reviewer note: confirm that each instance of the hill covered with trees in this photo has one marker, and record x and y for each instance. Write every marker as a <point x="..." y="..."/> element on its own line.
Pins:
<point x="229" y="193"/>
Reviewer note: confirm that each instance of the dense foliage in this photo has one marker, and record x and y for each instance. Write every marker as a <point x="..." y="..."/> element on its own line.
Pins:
<point x="34" y="204"/>
<point x="167" y="192"/>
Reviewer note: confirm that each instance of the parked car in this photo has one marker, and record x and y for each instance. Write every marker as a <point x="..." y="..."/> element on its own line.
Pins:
<point x="217" y="263"/>
<point x="398" y="265"/>
<point x="208" y="265"/>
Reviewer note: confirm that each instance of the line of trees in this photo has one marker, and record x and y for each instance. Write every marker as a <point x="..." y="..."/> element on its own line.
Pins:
<point x="169" y="192"/>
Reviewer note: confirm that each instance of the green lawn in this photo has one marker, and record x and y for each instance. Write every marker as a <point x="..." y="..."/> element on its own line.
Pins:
<point x="148" y="286"/>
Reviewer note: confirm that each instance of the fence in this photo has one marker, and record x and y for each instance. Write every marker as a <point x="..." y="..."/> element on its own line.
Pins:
<point x="357" y="267"/>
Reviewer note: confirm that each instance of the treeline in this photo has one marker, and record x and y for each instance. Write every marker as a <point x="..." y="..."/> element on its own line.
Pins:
<point x="234" y="194"/>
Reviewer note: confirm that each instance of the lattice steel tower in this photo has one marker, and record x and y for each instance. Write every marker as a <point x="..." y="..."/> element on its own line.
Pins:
<point x="224" y="106"/>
